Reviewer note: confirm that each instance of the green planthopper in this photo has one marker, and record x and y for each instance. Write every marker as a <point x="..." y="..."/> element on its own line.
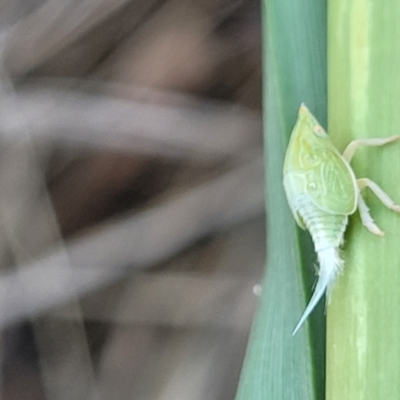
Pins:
<point x="322" y="191"/>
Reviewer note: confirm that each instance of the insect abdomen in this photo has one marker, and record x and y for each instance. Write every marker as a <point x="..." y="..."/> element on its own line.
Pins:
<point x="326" y="229"/>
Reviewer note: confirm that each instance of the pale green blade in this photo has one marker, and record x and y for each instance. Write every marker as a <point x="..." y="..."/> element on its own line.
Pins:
<point x="363" y="346"/>
<point x="278" y="366"/>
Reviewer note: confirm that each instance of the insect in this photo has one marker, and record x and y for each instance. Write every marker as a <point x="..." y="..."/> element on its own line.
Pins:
<point x="322" y="191"/>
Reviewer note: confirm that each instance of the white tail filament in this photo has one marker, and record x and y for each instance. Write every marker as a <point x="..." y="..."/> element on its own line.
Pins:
<point x="330" y="265"/>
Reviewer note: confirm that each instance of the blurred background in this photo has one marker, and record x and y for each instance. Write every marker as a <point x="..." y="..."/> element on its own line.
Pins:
<point x="132" y="237"/>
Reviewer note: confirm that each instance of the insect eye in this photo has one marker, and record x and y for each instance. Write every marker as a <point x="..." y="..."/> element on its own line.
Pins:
<point x="319" y="131"/>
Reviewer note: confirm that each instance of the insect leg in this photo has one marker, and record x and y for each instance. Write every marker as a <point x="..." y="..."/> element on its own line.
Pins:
<point x="379" y="193"/>
<point x="366" y="218"/>
<point x="355" y="144"/>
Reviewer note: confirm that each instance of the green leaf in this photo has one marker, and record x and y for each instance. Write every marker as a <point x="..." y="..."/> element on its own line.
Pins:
<point x="277" y="365"/>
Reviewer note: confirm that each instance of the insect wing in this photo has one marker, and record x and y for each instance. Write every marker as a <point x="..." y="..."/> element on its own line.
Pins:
<point x="331" y="183"/>
<point x="314" y="167"/>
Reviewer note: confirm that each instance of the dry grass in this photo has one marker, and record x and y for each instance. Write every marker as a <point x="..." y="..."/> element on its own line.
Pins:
<point x="131" y="197"/>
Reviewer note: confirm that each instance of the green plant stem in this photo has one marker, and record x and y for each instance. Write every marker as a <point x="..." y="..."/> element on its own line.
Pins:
<point x="363" y="346"/>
